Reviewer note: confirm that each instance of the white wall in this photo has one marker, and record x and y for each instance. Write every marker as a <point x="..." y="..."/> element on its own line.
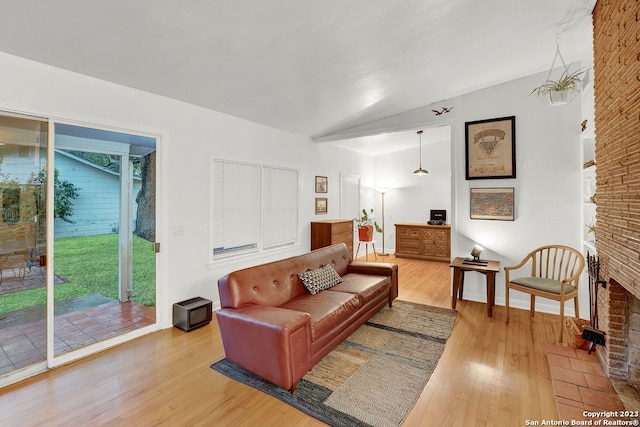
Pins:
<point x="547" y="184"/>
<point x="413" y="197"/>
<point x="189" y="136"/>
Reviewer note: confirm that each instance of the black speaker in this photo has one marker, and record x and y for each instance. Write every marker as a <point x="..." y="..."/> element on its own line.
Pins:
<point x="192" y="313"/>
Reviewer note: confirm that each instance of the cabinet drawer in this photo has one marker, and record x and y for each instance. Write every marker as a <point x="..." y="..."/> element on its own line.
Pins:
<point x="342" y="237"/>
<point x="405" y="242"/>
<point x="410" y="250"/>
<point x="342" y="227"/>
<point x="409" y="232"/>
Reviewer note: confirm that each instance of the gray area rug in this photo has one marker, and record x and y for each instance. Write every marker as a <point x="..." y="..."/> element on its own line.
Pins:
<point x="375" y="376"/>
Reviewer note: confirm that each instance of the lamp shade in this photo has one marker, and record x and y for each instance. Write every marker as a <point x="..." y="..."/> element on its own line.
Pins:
<point x="420" y="171"/>
<point x="476" y="251"/>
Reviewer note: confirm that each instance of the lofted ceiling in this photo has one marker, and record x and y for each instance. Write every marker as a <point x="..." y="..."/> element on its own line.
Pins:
<point x="311" y="67"/>
<point x="385" y="143"/>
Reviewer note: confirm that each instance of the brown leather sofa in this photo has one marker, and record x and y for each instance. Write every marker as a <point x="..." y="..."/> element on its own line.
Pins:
<point x="272" y="326"/>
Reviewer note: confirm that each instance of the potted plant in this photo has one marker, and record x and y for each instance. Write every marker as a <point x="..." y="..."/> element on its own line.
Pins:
<point x="561" y="91"/>
<point x="365" y="224"/>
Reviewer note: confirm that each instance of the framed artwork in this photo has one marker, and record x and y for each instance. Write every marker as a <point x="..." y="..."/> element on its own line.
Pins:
<point x="490" y="148"/>
<point x="322" y="184"/>
<point x="321" y="205"/>
<point x="492" y="203"/>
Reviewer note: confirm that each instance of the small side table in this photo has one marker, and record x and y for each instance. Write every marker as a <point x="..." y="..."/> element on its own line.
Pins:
<point x="366" y="249"/>
<point x="487" y="267"/>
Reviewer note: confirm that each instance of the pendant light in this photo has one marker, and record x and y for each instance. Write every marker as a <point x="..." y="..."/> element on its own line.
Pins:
<point x="420" y="171"/>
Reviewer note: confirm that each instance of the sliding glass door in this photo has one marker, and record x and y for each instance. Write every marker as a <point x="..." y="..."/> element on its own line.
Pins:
<point x="77" y="267"/>
<point x="104" y="233"/>
<point x="23" y="227"/>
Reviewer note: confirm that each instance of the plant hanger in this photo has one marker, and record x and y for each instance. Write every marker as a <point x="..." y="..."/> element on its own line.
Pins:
<point x="562" y="90"/>
<point x="553" y="63"/>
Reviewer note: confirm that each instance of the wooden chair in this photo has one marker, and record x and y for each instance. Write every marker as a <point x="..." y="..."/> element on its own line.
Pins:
<point x="554" y="274"/>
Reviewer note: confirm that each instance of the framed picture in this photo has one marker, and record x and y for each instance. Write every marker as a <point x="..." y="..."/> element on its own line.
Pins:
<point x="321" y="205"/>
<point x="322" y="184"/>
<point x="490" y="148"/>
<point x="492" y="203"/>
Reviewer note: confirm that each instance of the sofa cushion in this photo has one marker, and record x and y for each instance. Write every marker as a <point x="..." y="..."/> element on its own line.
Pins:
<point x="320" y="279"/>
<point x="366" y="286"/>
<point x="328" y="309"/>
<point x="277" y="282"/>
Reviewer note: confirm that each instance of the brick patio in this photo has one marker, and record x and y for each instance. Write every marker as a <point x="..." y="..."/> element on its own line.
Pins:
<point x="23" y="342"/>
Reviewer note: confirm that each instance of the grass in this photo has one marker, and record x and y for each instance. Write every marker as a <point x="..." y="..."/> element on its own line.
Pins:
<point x="90" y="265"/>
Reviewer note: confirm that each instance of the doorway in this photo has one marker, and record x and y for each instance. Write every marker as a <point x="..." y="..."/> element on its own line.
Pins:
<point x="77" y="242"/>
<point x="103" y="235"/>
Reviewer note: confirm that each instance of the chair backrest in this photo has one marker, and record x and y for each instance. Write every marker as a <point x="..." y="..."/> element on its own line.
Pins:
<point x="557" y="262"/>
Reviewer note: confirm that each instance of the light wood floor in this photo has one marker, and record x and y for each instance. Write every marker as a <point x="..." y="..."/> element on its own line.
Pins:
<point x="491" y="374"/>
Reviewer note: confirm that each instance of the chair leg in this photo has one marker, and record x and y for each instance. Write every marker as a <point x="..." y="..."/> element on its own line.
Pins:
<point x="507" y="302"/>
<point x="577" y="307"/>
<point x="561" y="320"/>
<point x="533" y="305"/>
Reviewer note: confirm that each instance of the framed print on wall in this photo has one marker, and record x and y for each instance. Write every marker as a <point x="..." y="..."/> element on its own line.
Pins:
<point x="322" y="184"/>
<point x="492" y="203"/>
<point x="321" y="205"/>
<point x="490" y="148"/>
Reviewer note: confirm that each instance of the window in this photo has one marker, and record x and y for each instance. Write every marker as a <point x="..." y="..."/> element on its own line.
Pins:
<point x="236" y="207"/>
<point x="280" y="207"/>
<point x="254" y="207"/>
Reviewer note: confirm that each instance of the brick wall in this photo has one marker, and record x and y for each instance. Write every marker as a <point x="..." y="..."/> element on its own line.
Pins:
<point x="633" y="373"/>
<point x="613" y="318"/>
<point x="619" y="317"/>
<point x="616" y="39"/>
<point x="617" y="126"/>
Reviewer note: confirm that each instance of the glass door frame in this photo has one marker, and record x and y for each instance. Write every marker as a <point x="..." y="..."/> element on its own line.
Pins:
<point x="54" y="360"/>
<point x="160" y="292"/>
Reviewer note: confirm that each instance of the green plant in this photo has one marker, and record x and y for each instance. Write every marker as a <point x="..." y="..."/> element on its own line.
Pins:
<point x="64" y="194"/>
<point x="567" y="81"/>
<point x="367" y="220"/>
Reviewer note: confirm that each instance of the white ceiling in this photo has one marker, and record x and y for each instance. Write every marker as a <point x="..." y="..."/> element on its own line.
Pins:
<point x="385" y="143"/>
<point x="310" y="67"/>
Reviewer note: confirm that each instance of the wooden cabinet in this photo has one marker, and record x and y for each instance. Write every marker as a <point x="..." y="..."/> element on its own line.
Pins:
<point x="423" y="241"/>
<point x="332" y="231"/>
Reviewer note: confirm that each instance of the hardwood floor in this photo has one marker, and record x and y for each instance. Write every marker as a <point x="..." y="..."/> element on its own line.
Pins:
<point x="491" y="374"/>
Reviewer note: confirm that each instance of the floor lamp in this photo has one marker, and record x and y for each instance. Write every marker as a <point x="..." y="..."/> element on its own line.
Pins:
<point x="382" y="193"/>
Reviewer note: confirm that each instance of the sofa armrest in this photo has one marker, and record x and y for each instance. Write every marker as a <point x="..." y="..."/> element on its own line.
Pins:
<point x="272" y="342"/>
<point x="379" y="269"/>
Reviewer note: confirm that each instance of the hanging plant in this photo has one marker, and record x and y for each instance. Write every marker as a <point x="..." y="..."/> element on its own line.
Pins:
<point x="561" y="91"/>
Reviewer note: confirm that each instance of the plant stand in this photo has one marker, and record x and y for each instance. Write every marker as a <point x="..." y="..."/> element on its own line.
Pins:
<point x="366" y="249"/>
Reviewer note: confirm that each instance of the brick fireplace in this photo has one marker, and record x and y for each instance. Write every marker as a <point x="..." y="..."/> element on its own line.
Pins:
<point x="617" y="127"/>
<point x="619" y="318"/>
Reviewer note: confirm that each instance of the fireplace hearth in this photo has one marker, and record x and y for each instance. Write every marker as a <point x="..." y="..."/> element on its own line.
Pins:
<point x="619" y="319"/>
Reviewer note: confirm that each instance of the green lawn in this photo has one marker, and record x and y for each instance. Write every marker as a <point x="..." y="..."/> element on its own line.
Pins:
<point x="90" y="265"/>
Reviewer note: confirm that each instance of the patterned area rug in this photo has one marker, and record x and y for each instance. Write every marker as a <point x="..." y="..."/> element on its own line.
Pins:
<point x="375" y="376"/>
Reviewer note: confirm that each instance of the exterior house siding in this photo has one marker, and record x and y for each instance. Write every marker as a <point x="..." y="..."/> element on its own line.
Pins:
<point x="96" y="210"/>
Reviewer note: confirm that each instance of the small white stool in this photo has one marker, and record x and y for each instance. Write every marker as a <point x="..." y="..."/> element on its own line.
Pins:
<point x="366" y="249"/>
